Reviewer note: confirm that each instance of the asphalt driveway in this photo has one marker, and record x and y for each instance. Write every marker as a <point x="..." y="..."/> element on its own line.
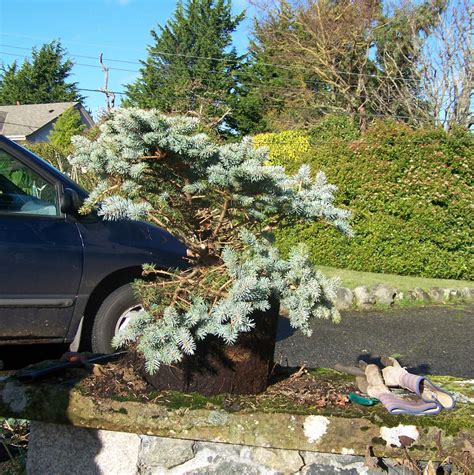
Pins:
<point x="430" y="340"/>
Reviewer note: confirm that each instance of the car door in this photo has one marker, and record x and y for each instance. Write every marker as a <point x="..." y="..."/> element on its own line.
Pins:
<point x="41" y="253"/>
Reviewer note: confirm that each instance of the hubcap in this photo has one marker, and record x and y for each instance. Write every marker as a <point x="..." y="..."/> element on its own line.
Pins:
<point x="125" y="318"/>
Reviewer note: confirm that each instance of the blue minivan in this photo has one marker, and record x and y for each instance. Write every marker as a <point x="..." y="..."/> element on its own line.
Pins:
<point x="65" y="277"/>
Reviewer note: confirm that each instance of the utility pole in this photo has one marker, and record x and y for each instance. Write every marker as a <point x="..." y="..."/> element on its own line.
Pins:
<point x="109" y="95"/>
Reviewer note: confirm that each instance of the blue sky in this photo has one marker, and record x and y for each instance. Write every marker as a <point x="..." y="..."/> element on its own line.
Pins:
<point x="118" y="28"/>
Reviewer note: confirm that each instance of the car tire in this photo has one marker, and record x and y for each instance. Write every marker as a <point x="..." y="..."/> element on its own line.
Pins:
<point x="114" y="309"/>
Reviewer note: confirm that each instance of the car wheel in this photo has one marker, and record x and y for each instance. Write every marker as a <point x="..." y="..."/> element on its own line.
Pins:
<point x="113" y="316"/>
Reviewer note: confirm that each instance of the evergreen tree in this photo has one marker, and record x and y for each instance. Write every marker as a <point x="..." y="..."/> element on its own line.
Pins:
<point x="12" y="85"/>
<point x="43" y="79"/>
<point x="190" y="68"/>
<point x="248" y="105"/>
<point x="69" y="123"/>
<point x="221" y="201"/>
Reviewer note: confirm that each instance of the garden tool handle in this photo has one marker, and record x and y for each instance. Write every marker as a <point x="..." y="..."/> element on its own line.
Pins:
<point x="352" y="370"/>
<point x="34" y="375"/>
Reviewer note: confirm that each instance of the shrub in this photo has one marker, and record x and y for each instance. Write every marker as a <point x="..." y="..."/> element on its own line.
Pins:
<point x="409" y="190"/>
<point x="69" y="123"/>
<point x="287" y="146"/>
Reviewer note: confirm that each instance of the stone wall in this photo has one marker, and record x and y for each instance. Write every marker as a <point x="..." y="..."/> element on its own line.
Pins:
<point x="56" y="449"/>
<point x="80" y="433"/>
<point x="382" y="295"/>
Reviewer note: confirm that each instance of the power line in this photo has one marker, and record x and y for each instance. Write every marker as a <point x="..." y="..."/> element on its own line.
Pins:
<point x="256" y="84"/>
<point x="259" y="85"/>
<point x="76" y="55"/>
<point x="162" y="53"/>
<point x="230" y="61"/>
<point x="267" y="86"/>
<point x="76" y="64"/>
<point x="132" y="70"/>
<point x="81" y="43"/>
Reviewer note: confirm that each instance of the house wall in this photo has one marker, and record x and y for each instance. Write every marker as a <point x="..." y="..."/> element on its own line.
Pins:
<point x="41" y="135"/>
<point x="85" y="117"/>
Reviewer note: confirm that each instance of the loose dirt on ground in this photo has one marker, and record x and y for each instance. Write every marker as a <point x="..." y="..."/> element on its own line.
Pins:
<point x="296" y="387"/>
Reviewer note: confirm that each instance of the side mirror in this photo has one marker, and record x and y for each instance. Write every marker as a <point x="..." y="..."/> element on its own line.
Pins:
<point x="70" y="201"/>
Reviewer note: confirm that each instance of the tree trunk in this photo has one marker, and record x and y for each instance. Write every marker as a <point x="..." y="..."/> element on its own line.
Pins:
<point x="216" y="368"/>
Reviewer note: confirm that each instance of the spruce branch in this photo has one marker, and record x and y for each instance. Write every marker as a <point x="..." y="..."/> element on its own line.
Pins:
<point x="225" y="208"/>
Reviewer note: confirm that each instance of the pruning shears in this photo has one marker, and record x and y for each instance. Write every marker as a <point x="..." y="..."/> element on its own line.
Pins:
<point x="33" y="375"/>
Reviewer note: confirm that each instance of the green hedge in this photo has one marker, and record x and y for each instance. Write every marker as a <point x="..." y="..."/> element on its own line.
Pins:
<point x="409" y="190"/>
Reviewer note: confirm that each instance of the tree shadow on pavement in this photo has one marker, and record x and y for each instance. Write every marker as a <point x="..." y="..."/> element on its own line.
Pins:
<point x="285" y="330"/>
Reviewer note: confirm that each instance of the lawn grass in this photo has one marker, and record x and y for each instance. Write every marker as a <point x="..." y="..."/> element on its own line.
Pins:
<point x="352" y="279"/>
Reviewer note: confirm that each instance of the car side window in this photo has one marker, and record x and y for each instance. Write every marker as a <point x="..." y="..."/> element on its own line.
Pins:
<point x="23" y="191"/>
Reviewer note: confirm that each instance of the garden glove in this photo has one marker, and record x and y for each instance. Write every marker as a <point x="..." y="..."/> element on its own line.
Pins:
<point x="394" y="404"/>
<point x="395" y="375"/>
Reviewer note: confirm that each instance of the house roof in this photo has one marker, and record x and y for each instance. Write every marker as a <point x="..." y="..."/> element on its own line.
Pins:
<point x="23" y="120"/>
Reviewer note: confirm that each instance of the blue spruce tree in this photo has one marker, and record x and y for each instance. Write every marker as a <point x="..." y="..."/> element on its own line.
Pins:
<point x="222" y="201"/>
